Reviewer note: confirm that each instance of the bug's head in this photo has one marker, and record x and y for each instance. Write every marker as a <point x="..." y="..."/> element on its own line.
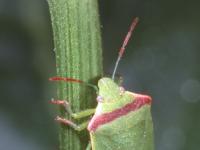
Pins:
<point x="108" y="90"/>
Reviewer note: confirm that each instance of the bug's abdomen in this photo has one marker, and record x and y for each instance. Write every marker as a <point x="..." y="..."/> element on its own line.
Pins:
<point x="132" y="131"/>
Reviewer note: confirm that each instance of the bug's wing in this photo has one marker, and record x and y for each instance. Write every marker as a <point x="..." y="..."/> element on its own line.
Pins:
<point x="130" y="132"/>
<point x="148" y="134"/>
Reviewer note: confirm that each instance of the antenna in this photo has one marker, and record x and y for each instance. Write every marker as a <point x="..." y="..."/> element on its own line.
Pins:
<point x="73" y="80"/>
<point x="122" y="49"/>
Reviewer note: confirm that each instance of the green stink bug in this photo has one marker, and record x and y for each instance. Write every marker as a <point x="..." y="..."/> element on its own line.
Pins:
<point x="122" y="119"/>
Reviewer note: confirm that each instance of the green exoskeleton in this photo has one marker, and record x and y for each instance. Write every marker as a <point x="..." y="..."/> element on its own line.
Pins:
<point x="122" y="119"/>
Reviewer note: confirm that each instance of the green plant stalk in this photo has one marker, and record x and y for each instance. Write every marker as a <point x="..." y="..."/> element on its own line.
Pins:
<point x="77" y="41"/>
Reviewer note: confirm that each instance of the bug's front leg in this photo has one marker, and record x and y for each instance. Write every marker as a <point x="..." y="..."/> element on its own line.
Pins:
<point x="75" y="126"/>
<point x="67" y="107"/>
<point x="89" y="146"/>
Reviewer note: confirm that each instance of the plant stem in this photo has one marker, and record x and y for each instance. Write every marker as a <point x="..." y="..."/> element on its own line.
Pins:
<point x="77" y="42"/>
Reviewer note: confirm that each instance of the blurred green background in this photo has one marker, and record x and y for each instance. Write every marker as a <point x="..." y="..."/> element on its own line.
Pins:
<point x="162" y="60"/>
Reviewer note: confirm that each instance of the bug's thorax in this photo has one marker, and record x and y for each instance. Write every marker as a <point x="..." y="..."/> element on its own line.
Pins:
<point x="109" y="91"/>
<point x="111" y="96"/>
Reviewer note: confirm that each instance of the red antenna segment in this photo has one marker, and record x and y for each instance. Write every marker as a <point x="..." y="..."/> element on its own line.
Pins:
<point x="73" y="80"/>
<point x="65" y="79"/>
<point x="122" y="49"/>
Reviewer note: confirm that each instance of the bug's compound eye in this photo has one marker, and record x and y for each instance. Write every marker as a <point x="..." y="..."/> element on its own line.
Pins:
<point x="122" y="90"/>
<point x="99" y="98"/>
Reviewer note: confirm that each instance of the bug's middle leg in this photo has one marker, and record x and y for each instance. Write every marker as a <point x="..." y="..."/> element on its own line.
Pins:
<point x="78" y="115"/>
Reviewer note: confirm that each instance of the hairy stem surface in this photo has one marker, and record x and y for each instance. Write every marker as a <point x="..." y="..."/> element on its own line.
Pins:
<point x="76" y="31"/>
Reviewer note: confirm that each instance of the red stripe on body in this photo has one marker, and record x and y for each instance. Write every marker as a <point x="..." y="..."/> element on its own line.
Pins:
<point x="101" y="119"/>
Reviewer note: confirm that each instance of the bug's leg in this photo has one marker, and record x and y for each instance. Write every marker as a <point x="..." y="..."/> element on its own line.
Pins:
<point x="76" y="127"/>
<point x="83" y="113"/>
<point x="89" y="146"/>
<point x="67" y="107"/>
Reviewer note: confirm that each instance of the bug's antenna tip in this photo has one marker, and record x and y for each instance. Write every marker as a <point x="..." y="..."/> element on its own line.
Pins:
<point x="122" y="49"/>
<point x="51" y="79"/>
<point x="137" y="19"/>
<point x="54" y="78"/>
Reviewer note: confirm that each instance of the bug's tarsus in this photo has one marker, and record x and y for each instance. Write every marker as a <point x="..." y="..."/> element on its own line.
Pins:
<point x="122" y="49"/>
<point x="59" y="102"/>
<point x="67" y="122"/>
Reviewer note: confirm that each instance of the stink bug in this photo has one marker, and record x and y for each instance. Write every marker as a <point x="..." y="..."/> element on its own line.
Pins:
<point x="122" y="119"/>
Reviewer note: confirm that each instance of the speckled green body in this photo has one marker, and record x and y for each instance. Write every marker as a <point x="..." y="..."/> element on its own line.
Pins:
<point x="130" y="132"/>
<point x="133" y="131"/>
